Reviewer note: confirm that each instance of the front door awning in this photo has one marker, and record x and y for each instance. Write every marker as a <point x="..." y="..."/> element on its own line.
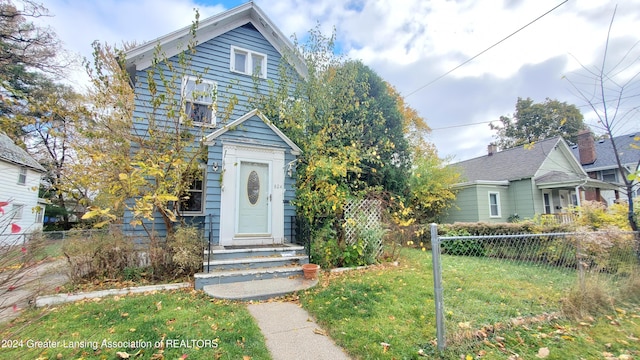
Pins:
<point x="559" y="180"/>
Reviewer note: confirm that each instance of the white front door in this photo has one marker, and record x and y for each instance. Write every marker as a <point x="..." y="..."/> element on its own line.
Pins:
<point x="252" y="196"/>
<point x="254" y="205"/>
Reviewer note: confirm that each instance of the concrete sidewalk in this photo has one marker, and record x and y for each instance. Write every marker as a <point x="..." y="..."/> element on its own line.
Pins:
<point x="291" y="333"/>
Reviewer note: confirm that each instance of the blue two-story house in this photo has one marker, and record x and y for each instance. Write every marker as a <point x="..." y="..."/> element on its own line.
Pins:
<point x="248" y="181"/>
<point x="244" y="196"/>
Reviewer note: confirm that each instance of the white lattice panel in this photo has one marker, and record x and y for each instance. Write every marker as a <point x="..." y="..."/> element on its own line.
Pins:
<point x="361" y="215"/>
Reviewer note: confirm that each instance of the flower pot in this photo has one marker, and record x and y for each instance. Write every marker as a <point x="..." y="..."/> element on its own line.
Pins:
<point x="310" y="271"/>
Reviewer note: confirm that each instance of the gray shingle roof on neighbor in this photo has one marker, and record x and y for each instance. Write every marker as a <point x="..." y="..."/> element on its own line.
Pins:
<point x="511" y="164"/>
<point x="12" y="153"/>
<point x="605" y="157"/>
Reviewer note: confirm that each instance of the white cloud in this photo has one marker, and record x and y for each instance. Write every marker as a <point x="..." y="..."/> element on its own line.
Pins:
<point x="410" y="43"/>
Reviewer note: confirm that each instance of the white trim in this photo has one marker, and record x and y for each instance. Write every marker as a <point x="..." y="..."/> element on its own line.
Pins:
<point x="249" y="65"/>
<point x="210" y="139"/>
<point x="22" y="175"/>
<point x="233" y="154"/>
<point x="212" y="105"/>
<point x="499" y="210"/>
<point x="17" y="211"/>
<point x="141" y="57"/>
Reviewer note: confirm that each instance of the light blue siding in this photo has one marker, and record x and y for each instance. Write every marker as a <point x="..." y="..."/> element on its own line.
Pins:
<point x="211" y="61"/>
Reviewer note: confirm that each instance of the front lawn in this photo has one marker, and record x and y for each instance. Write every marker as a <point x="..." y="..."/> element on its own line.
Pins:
<point x="494" y="309"/>
<point x="188" y="323"/>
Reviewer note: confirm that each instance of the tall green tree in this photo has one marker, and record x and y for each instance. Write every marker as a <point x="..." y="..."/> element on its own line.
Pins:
<point x="533" y="122"/>
<point x="28" y="61"/>
<point x="348" y="124"/>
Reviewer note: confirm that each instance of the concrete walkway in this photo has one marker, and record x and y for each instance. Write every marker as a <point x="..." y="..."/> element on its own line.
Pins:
<point x="291" y="333"/>
<point x="38" y="279"/>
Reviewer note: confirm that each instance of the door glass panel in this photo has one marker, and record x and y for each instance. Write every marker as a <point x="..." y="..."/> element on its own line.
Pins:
<point x="253" y="187"/>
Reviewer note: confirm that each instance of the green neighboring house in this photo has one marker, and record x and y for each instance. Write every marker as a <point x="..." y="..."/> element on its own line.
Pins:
<point x="538" y="178"/>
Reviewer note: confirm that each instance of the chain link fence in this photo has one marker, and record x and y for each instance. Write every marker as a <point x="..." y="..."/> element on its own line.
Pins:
<point x="526" y="277"/>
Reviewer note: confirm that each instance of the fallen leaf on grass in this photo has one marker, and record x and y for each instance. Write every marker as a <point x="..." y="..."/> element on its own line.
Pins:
<point x="385" y="346"/>
<point x="246" y="357"/>
<point x="159" y="305"/>
<point x="319" y="332"/>
<point x="123" y="355"/>
<point x="543" y="353"/>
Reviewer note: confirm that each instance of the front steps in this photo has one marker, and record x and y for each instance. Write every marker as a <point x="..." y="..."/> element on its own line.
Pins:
<point x="253" y="273"/>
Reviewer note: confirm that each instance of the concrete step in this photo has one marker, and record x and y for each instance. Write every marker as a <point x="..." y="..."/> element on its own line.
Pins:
<point x="232" y="276"/>
<point x="225" y="253"/>
<point x="277" y="260"/>
<point x="259" y="289"/>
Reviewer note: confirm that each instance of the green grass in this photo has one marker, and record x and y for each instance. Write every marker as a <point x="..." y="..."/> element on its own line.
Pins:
<point x="179" y="315"/>
<point x="395" y="305"/>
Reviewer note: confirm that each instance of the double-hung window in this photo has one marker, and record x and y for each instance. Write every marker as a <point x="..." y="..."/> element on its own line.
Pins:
<point x="192" y="202"/>
<point x="17" y="210"/>
<point x="248" y="62"/>
<point x="22" y="176"/>
<point x="494" y="204"/>
<point x="199" y="97"/>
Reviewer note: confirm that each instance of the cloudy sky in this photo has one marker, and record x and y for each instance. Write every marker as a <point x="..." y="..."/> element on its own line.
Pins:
<point x="411" y="43"/>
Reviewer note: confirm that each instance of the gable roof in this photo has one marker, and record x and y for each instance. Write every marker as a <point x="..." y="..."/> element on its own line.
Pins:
<point x="210" y="139"/>
<point x="511" y="164"/>
<point x="605" y="157"/>
<point x="141" y="57"/>
<point x="12" y="153"/>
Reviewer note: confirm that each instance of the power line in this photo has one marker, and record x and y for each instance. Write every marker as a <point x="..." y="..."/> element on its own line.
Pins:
<point x="484" y="51"/>
<point x="463" y="125"/>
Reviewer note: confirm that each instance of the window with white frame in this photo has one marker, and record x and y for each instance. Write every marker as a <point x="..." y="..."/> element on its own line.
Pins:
<point x="199" y="97"/>
<point x="22" y="176"/>
<point x="192" y="202"/>
<point x="494" y="204"/>
<point x="248" y="62"/>
<point x="16" y="210"/>
<point x="39" y="210"/>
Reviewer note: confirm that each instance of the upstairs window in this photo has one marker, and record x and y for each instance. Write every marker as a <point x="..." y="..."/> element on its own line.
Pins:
<point x="22" y="176"/>
<point x="199" y="97"/>
<point x="248" y="62"/>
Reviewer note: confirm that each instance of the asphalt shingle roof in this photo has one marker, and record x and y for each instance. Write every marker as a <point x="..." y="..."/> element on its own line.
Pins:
<point x="12" y="153"/>
<point x="605" y="157"/>
<point x="511" y="164"/>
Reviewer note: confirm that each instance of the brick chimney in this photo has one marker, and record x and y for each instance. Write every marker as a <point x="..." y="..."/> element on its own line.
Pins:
<point x="492" y="149"/>
<point x="586" y="147"/>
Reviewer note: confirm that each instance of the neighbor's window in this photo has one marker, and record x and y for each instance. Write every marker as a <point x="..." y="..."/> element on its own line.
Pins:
<point x="39" y="210"/>
<point x="22" y="177"/>
<point x="494" y="204"/>
<point x="548" y="206"/>
<point x="192" y="203"/>
<point x="17" y="210"/>
<point x="199" y="97"/>
<point x="609" y="176"/>
<point x="248" y="62"/>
